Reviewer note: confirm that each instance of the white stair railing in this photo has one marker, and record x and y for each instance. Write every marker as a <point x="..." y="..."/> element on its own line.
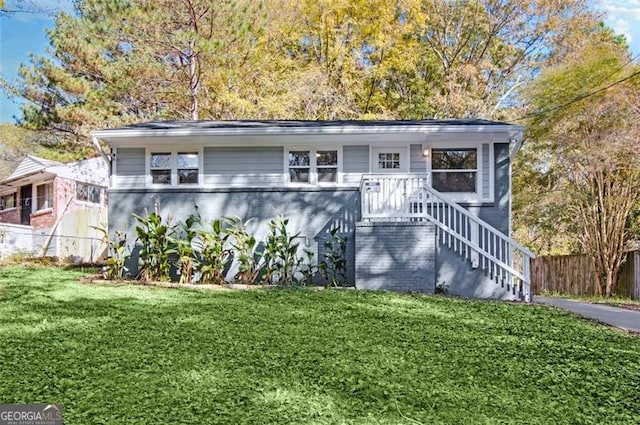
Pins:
<point x="409" y="197"/>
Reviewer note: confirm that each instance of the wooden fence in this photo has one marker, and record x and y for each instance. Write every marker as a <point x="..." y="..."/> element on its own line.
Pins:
<point x="573" y="275"/>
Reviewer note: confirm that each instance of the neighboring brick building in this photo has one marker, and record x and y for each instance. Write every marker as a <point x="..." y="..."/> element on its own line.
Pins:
<point x="49" y="208"/>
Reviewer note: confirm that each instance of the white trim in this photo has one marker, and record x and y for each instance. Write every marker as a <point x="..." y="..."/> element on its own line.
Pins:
<point x="15" y="200"/>
<point x="481" y="172"/>
<point x="114" y="178"/>
<point x="405" y="158"/>
<point x="313" y="166"/>
<point x="436" y="128"/>
<point x="34" y="196"/>
<point x="173" y="151"/>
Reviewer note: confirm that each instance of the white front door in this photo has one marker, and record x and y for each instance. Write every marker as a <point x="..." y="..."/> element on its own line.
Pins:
<point x="389" y="160"/>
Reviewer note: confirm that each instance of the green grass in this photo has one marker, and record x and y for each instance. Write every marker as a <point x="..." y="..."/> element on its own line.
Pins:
<point x="138" y="355"/>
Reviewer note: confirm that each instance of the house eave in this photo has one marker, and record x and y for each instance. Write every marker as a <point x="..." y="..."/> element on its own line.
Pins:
<point x="26" y="179"/>
<point x="112" y="135"/>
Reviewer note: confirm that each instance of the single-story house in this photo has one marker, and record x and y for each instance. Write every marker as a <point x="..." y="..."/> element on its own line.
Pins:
<point x="48" y="208"/>
<point x="424" y="204"/>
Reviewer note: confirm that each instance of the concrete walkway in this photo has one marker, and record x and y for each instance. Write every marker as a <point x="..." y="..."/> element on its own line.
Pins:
<point x="622" y="318"/>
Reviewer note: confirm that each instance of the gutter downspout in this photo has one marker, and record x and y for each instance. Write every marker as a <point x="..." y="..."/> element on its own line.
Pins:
<point x="516" y="147"/>
<point x="108" y="158"/>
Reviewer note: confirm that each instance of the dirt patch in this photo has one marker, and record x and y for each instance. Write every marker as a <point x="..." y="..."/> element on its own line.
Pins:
<point x="99" y="280"/>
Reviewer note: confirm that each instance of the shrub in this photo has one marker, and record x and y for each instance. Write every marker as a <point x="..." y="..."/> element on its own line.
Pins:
<point x="246" y="251"/>
<point x="185" y="247"/>
<point x="334" y="265"/>
<point x="156" y="240"/>
<point x="117" y="253"/>
<point x="214" y="252"/>
<point x="281" y="253"/>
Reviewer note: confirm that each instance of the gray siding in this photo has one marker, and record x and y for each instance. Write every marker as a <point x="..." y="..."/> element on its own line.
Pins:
<point x="355" y="162"/>
<point x="486" y="177"/>
<point x="130" y="166"/>
<point x="455" y="273"/>
<point x="417" y="163"/>
<point x="243" y="166"/>
<point x="312" y="212"/>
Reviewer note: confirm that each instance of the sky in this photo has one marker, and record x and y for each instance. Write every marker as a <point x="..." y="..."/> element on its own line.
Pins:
<point x="23" y="34"/>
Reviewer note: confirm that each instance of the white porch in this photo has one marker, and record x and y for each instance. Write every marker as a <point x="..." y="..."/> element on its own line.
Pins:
<point x="387" y="198"/>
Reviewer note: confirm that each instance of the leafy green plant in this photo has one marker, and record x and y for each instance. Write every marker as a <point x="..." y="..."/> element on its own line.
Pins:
<point x="117" y="253"/>
<point x="246" y="251"/>
<point x="185" y="247"/>
<point x="333" y="266"/>
<point x="307" y="268"/>
<point x="281" y="253"/>
<point x="156" y="246"/>
<point x="214" y="252"/>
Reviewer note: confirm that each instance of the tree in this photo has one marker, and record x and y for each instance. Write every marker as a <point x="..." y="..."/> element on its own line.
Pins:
<point x="584" y="134"/>
<point x="16" y="143"/>
<point x="115" y="62"/>
<point x="464" y="58"/>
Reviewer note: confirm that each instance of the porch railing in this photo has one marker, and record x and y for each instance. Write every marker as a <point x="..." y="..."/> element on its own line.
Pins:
<point x="409" y="197"/>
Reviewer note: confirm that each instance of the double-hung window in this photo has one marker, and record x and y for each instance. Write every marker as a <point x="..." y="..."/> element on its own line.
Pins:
<point x="44" y="196"/>
<point x="455" y="170"/>
<point x="174" y="168"/>
<point x="327" y="166"/>
<point x="313" y="166"/>
<point x="187" y="167"/>
<point x="8" y="201"/>
<point x="160" y="167"/>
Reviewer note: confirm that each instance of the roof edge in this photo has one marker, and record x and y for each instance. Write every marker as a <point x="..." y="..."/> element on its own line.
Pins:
<point x="329" y="129"/>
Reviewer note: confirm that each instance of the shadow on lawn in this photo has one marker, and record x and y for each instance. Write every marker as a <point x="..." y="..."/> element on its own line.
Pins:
<point x="128" y="354"/>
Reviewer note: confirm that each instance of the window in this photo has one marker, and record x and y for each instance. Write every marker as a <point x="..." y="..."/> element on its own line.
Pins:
<point x="44" y="196"/>
<point x="160" y="168"/>
<point x="174" y="168"/>
<point x="388" y="161"/>
<point x="88" y="193"/>
<point x="299" y="166"/>
<point x="187" y="167"/>
<point x="313" y="166"/>
<point x="8" y="201"/>
<point x="455" y="170"/>
<point x="327" y="166"/>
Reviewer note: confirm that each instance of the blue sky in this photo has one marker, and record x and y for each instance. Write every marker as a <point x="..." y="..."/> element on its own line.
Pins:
<point x="24" y="33"/>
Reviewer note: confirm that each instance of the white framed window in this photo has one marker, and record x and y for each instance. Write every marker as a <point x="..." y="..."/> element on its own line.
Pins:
<point x="327" y="166"/>
<point x="313" y="166"/>
<point x="389" y="159"/>
<point x="168" y="167"/>
<point x="188" y="167"/>
<point x="462" y="170"/>
<point x="44" y="196"/>
<point x="8" y="201"/>
<point x="88" y="193"/>
<point x="299" y="166"/>
<point x="160" y="165"/>
<point x="454" y="170"/>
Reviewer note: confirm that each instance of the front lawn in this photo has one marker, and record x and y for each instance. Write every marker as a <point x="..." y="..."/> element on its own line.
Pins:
<point x="140" y="355"/>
